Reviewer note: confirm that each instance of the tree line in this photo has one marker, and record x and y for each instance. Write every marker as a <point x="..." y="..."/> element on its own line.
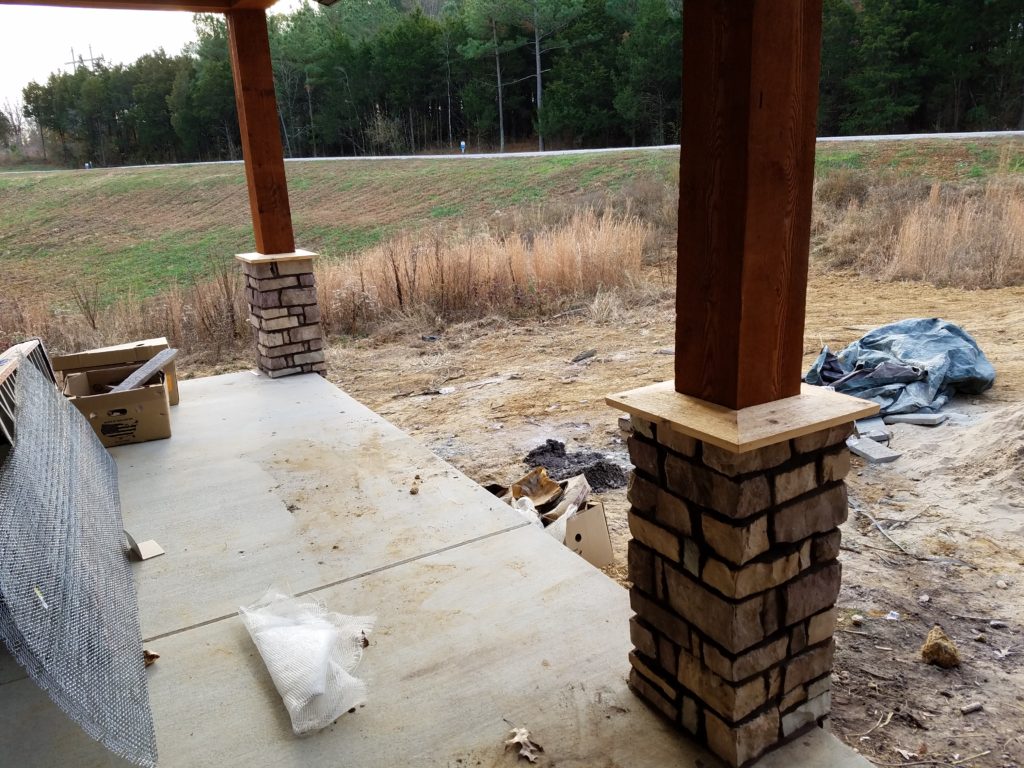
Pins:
<point x="390" y="76"/>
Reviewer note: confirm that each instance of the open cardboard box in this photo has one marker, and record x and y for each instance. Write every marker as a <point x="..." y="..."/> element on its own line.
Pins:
<point x="117" y="356"/>
<point x="120" y="418"/>
<point x="586" y="534"/>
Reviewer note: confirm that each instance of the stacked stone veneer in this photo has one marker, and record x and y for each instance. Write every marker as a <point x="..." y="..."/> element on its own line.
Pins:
<point x="285" y="315"/>
<point x="735" y="577"/>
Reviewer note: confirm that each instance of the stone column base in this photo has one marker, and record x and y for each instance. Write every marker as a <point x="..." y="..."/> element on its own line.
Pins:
<point x="734" y="569"/>
<point x="284" y="313"/>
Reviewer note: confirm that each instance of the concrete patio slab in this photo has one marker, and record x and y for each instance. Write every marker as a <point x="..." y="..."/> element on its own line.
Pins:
<point x="293" y="483"/>
<point x="482" y="623"/>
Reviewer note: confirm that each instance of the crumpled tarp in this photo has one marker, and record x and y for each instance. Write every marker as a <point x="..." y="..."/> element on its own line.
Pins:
<point x="907" y="366"/>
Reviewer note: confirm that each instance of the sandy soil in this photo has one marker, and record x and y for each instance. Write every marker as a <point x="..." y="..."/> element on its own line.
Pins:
<point x="953" y="505"/>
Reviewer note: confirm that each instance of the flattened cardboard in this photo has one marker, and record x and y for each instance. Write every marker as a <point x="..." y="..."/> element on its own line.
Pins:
<point x="143" y="550"/>
<point x="119" y="355"/>
<point x="586" y="534"/>
<point x="120" y="418"/>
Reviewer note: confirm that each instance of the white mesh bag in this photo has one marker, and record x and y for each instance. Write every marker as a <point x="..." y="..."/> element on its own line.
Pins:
<point x="311" y="654"/>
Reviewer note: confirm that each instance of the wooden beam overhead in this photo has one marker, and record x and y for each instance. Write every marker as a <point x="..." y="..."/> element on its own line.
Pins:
<point x="191" y="6"/>
<point x="261" y="137"/>
<point x="750" y="100"/>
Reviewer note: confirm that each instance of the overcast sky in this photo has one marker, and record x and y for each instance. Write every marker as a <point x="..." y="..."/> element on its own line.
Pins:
<point x="35" y="40"/>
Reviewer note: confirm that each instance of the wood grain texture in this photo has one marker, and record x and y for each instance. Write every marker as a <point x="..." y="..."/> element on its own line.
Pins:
<point x="203" y="6"/>
<point x="261" y="138"/>
<point x="750" y="97"/>
<point x="811" y="410"/>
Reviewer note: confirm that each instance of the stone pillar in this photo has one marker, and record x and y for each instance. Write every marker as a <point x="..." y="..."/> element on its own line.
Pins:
<point x="284" y="313"/>
<point x="735" y="577"/>
<point x="734" y="516"/>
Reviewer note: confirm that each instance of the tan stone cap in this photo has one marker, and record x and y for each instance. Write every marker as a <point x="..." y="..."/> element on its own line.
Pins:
<point x="747" y="429"/>
<point x="263" y="258"/>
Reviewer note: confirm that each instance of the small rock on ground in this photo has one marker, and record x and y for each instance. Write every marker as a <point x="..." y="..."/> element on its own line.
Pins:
<point x="939" y="650"/>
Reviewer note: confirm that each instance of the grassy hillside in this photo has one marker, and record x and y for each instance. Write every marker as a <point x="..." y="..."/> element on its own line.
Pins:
<point x="136" y="231"/>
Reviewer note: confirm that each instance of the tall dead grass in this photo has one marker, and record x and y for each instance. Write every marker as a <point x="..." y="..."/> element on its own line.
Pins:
<point x="207" y="320"/>
<point x="426" y="279"/>
<point x="518" y="274"/>
<point x="968" y="235"/>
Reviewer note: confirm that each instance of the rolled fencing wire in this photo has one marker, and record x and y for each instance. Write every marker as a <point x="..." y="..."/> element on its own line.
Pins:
<point x="68" y="608"/>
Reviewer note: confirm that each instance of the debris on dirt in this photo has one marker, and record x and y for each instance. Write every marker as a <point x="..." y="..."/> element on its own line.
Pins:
<point x="537" y="487"/>
<point x="425" y="392"/>
<point x="907" y="366"/>
<point x="972" y="708"/>
<point x="666" y="351"/>
<point x="871" y="451"/>
<point x="874" y="429"/>
<point x="857" y="620"/>
<point x="584" y="356"/>
<point x="414" y="490"/>
<point x="430" y="337"/>
<point x="939" y="650"/>
<point x="924" y="598"/>
<point x="1002" y="584"/>
<point x="149" y="658"/>
<point x="892" y="616"/>
<point x="919" y="419"/>
<point x="520" y="739"/>
<point x="602" y="474"/>
<point x="997" y="624"/>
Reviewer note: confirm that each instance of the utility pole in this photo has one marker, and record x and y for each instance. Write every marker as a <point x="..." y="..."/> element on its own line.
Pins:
<point x="91" y="62"/>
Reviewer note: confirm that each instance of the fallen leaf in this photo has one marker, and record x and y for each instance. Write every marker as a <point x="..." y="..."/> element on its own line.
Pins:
<point x="906" y="754"/>
<point x="149" y="658"/>
<point x="520" y="738"/>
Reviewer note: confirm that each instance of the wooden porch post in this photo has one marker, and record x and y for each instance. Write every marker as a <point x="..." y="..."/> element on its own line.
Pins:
<point x="737" y="492"/>
<point x="261" y="137"/>
<point x="750" y="99"/>
<point x="280" y="282"/>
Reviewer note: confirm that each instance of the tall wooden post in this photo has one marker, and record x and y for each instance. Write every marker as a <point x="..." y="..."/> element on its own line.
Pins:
<point x="261" y="138"/>
<point x="280" y="282"/>
<point x="750" y="98"/>
<point x="737" y="493"/>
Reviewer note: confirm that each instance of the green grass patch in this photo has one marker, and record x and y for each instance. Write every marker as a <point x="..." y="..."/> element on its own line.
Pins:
<point x="150" y="266"/>
<point x="333" y="241"/>
<point x="140" y="230"/>
<point x="834" y="159"/>
<point x="446" y="211"/>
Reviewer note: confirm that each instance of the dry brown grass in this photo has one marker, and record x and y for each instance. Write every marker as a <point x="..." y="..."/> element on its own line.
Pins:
<point x="206" y="320"/>
<point x="967" y="235"/>
<point x="524" y="273"/>
<point x="427" y="279"/>
<point x="584" y="256"/>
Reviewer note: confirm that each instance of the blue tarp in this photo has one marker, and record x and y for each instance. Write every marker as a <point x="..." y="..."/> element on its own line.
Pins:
<point x="908" y="366"/>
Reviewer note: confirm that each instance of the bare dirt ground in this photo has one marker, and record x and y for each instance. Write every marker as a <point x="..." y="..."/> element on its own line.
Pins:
<point x="952" y="506"/>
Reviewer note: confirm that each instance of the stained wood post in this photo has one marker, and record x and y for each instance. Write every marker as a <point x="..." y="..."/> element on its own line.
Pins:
<point x="261" y="138"/>
<point x="750" y="100"/>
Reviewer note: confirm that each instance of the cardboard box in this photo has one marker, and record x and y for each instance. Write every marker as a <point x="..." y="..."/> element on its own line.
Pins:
<point x="117" y="356"/>
<point x="586" y="534"/>
<point x="120" y="418"/>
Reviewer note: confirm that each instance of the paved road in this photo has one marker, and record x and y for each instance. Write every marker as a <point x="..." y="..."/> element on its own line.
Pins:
<point x="562" y="152"/>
